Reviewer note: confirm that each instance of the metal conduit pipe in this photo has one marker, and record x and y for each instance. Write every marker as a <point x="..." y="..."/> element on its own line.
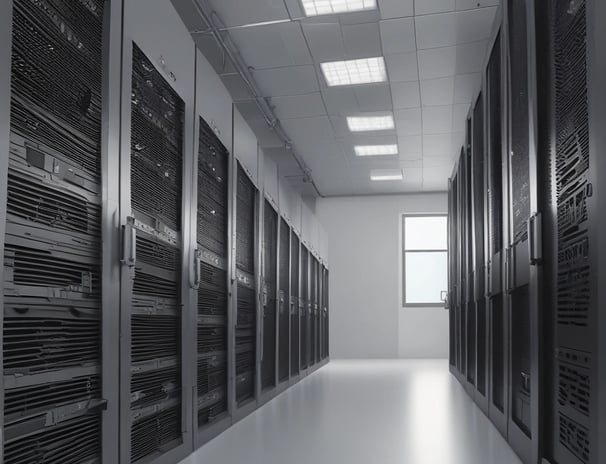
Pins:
<point x="232" y="52"/>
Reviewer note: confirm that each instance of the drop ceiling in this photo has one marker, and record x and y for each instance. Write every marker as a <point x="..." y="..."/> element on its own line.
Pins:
<point x="433" y="51"/>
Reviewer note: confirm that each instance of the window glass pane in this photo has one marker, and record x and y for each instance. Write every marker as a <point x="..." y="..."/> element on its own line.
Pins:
<point x="426" y="276"/>
<point x="425" y="233"/>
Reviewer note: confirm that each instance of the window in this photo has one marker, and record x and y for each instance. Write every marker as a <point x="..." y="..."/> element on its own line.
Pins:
<point x="424" y="259"/>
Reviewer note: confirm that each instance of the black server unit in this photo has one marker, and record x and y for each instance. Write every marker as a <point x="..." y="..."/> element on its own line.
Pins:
<point x="317" y="312"/>
<point x="295" y="304"/>
<point x="521" y="278"/>
<point x="470" y="307"/>
<point x="325" y="351"/>
<point x="52" y="255"/>
<point x="157" y="119"/>
<point x="283" y="302"/>
<point x="313" y="309"/>
<point x="212" y="276"/>
<point x="462" y="263"/>
<point x="479" y="255"/>
<point x="572" y="150"/>
<point x="270" y="272"/>
<point x="304" y="307"/>
<point x="246" y="318"/>
<point x="320" y="342"/>
<point x="452" y="274"/>
<point x="498" y="322"/>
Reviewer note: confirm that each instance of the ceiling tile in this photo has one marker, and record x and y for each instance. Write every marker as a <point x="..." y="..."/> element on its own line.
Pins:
<point x="293" y="80"/>
<point x="396" y="8"/>
<point x="411" y="147"/>
<point x="458" y="139"/>
<point x="408" y="122"/>
<point x="362" y="40"/>
<point x="340" y="100"/>
<point x="374" y="97"/>
<point x="272" y="46"/>
<point x="437" y="62"/>
<point x="438" y="30"/>
<point x="446" y="29"/>
<point x="423" y="7"/>
<point x="437" y="175"/>
<point x="467" y="87"/>
<point x="398" y="35"/>
<point x="325" y="41"/>
<point x="437" y="119"/>
<point x="299" y="106"/>
<point x="403" y="67"/>
<point x="473" y="4"/>
<point x="238" y="13"/>
<point x="437" y="92"/>
<point x="459" y="117"/>
<point x="437" y="145"/>
<point x="405" y="95"/>
<point x="470" y="57"/>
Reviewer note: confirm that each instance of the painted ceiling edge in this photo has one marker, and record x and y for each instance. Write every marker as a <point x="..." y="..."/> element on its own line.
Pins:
<point x="227" y="45"/>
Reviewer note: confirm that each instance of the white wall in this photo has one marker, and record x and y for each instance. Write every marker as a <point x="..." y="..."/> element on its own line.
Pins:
<point x="366" y="316"/>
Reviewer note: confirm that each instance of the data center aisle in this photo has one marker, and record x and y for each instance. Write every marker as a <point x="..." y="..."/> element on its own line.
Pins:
<point x="365" y="412"/>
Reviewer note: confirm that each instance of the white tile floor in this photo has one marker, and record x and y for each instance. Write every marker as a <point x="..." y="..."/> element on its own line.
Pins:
<point x="365" y="412"/>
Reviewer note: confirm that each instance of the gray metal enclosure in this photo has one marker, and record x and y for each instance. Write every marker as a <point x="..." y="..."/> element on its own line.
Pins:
<point x="131" y="236"/>
<point x="540" y="373"/>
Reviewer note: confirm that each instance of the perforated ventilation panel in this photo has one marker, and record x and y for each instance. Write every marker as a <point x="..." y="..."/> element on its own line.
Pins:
<point x="156" y="183"/>
<point x="495" y="179"/>
<point x="212" y="236"/>
<point x="284" y="302"/>
<point x="52" y="296"/>
<point x="295" y="318"/>
<point x="304" y="306"/>
<point x="313" y="305"/>
<point x="246" y="320"/>
<point x="574" y="332"/>
<point x="270" y="268"/>
<point x="520" y="168"/>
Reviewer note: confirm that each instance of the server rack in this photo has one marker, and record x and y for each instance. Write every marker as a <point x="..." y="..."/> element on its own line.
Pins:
<point x="495" y="232"/>
<point x="247" y="299"/>
<point x="313" y="309"/>
<point x="304" y="308"/>
<point x="325" y="325"/>
<point x="51" y="270"/>
<point x="212" y="279"/>
<point x="270" y="292"/>
<point x="295" y="305"/>
<point x="284" y="294"/>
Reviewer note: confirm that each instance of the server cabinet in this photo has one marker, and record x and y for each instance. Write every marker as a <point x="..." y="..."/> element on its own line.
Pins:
<point x="325" y="326"/>
<point x="304" y="307"/>
<point x="211" y="279"/>
<point x="270" y="272"/>
<point x="313" y="309"/>
<point x="157" y="171"/>
<point x="496" y="227"/>
<point x="247" y="299"/>
<point x="283" y="302"/>
<point x="571" y="139"/>
<point x="295" y="305"/>
<point x="470" y="306"/>
<point x="452" y="275"/>
<point x="479" y="252"/>
<point x="522" y="260"/>
<point x="52" y="191"/>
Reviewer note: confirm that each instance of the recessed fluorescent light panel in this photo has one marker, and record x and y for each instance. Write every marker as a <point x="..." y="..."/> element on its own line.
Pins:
<point x="353" y="72"/>
<point x="376" y="150"/>
<point x="365" y="124"/>
<point x="322" y="7"/>
<point x="386" y="174"/>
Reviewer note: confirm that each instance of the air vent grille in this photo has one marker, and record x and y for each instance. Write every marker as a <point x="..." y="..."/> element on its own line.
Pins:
<point x="574" y="380"/>
<point x="574" y="437"/>
<point x="71" y="442"/>
<point x="155" y="434"/>
<point x="245" y="223"/>
<point x="51" y="104"/>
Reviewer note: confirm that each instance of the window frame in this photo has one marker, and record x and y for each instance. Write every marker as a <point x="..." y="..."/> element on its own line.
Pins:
<point x="403" y="253"/>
